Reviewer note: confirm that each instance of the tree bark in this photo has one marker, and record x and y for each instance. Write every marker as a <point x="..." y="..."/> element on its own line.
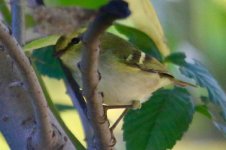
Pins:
<point x="25" y="119"/>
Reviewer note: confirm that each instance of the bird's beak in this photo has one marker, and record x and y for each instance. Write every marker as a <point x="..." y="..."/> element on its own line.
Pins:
<point x="59" y="53"/>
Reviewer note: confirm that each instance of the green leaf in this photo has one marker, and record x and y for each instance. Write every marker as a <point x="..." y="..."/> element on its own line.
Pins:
<point x="41" y="42"/>
<point x="203" y="78"/>
<point x="138" y="38"/>
<point x="63" y="107"/>
<point x="203" y="109"/>
<point x="89" y="4"/>
<point x="176" y="58"/>
<point x="30" y="22"/>
<point x="5" y="12"/>
<point x="160" y="122"/>
<point x="46" y="63"/>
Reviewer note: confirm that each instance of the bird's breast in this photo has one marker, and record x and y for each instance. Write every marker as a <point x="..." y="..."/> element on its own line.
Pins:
<point x="122" y="84"/>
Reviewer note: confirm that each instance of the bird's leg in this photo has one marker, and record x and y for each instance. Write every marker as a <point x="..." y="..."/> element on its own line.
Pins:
<point x="119" y="119"/>
<point x="107" y="107"/>
<point x="127" y="107"/>
<point x="134" y="105"/>
<point x="116" y="123"/>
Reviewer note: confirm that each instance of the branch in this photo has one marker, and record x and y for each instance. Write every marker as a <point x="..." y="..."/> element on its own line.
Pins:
<point x="18" y="20"/>
<point x="79" y="102"/>
<point x="17" y="119"/>
<point x="116" y="9"/>
<point x="39" y="104"/>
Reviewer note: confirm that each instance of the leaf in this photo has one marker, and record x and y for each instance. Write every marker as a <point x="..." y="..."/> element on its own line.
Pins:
<point x="41" y="42"/>
<point x="30" y="22"/>
<point x="5" y="12"/>
<point x="203" y="78"/>
<point x="89" y="4"/>
<point x="176" y="58"/>
<point x="63" y="107"/>
<point x="160" y="122"/>
<point x="138" y="38"/>
<point x="46" y="63"/>
<point x="203" y="109"/>
<point x="144" y="18"/>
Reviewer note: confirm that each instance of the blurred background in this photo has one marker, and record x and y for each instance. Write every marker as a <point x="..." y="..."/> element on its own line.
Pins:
<point x="197" y="27"/>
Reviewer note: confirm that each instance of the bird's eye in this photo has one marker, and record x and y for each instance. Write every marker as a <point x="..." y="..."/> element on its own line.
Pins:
<point x="75" y="40"/>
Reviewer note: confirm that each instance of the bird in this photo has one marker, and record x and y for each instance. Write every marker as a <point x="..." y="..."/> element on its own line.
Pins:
<point x="129" y="76"/>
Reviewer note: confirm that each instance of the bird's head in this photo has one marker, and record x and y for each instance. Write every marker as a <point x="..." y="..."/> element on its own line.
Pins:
<point x="68" y="49"/>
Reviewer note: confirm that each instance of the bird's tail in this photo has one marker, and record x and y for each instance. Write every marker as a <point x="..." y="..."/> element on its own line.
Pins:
<point x="183" y="83"/>
<point x="176" y="81"/>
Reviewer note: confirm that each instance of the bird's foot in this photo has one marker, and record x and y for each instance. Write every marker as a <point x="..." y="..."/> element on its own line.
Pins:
<point x="113" y="139"/>
<point x="136" y="104"/>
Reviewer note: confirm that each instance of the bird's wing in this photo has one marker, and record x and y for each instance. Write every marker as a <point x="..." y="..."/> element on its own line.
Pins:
<point x="129" y="54"/>
<point x="132" y="56"/>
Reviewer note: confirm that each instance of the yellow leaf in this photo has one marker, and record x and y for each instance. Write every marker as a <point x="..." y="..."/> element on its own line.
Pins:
<point x="144" y="18"/>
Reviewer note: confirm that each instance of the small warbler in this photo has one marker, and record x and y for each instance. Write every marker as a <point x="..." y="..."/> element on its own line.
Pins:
<point x="128" y="75"/>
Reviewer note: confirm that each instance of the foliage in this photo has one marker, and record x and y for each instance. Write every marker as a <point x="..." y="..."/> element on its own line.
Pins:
<point x="5" y="11"/>
<point x="138" y="38"/>
<point x="90" y="4"/>
<point x="63" y="107"/>
<point x="162" y="121"/>
<point x="203" y="109"/>
<point x="41" y="42"/>
<point x="204" y="79"/>
<point x="145" y="19"/>
<point x="46" y="63"/>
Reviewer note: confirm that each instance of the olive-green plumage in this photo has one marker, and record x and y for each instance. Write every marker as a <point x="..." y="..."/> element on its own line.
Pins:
<point x="128" y="74"/>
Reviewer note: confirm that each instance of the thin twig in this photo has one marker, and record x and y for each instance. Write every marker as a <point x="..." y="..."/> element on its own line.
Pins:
<point x="103" y="138"/>
<point x="18" y="20"/>
<point x="31" y="82"/>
